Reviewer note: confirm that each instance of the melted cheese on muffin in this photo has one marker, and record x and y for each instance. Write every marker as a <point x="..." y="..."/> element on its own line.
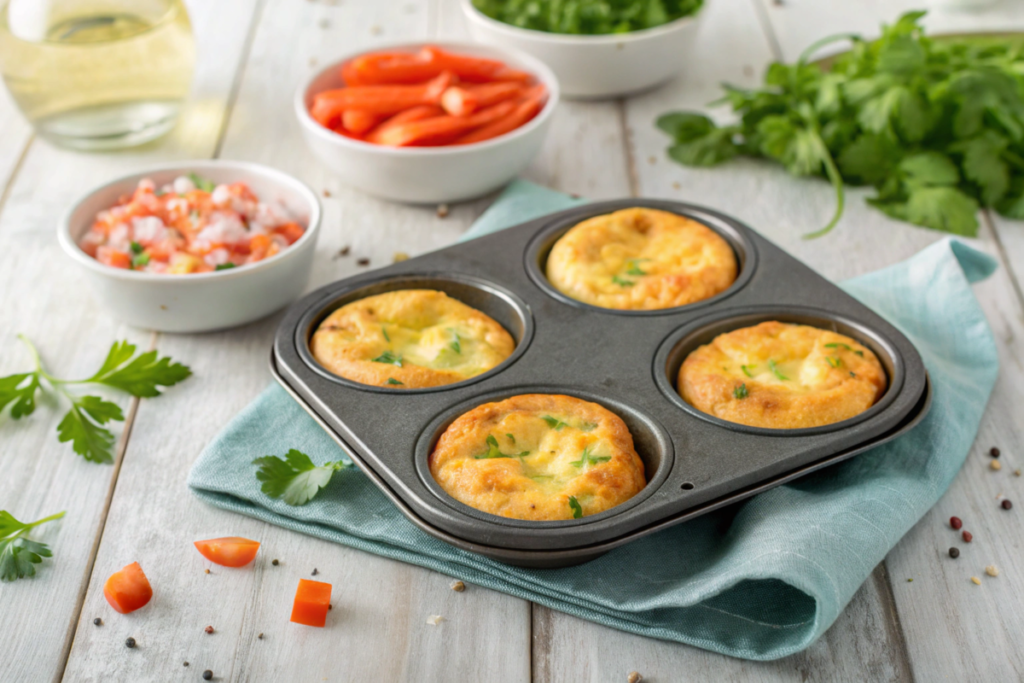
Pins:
<point x="641" y="259"/>
<point x="532" y="456"/>
<point x="782" y="376"/>
<point x="409" y="339"/>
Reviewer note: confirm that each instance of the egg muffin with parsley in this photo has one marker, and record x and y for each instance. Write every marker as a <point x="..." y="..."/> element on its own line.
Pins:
<point x="408" y="339"/>
<point x="782" y="376"/>
<point x="538" y="457"/>
<point x="641" y="259"/>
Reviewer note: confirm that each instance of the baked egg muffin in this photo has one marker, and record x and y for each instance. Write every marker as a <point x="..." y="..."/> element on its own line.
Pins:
<point x="782" y="376"/>
<point x="641" y="259"/>
<point x="539" y="457"/>
<point x="408" y="339"/>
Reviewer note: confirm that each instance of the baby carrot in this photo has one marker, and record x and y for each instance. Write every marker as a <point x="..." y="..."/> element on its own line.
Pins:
<point x="464" y="100"/>
<point x="381" y="68"/>
<point x="523" y="112"/>
<point x="474" y="69"/>
<point x="424" y="111"/>
<point x="359" y="121"/>
<point x="377" y="99"/>
<point x="442" y="129"/>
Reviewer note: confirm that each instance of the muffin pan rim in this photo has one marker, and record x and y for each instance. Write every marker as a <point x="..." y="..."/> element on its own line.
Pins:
<point x="732" y="231"/>
<point x="431" y="433"/>
<point x="765" y="313"/>
<point x="318" y="312"/>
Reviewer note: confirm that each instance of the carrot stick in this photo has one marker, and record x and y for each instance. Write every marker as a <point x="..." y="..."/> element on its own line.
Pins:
<point x="377" y="99"/>
<point x="523" y="112"/>
<point x="359" y="121"/>
<point x="424" y="111"/>
<point x="382" y="68"/>
<point x="442" y="129"/>
<point x="464" y="100"/>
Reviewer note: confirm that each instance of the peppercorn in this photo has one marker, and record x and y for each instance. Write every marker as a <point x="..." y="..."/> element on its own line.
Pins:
<point x="954" y="553"/>
<point x="207" y="675"/>
<point x="330" y="605"/>
<point x="207" y="571"/>
<point x="130" y="642"/>
<point x="275" y="563"/>
<point x="442" y="210"/>
<point x="996" y="465"/>
<point x="97" y="622"/>
<point x="955" y="522"/>
<point x="1006" y="504"/>
<point x="315" y="571"/>
<point x="968" y="536"/>
<point x="208" y="629"/>
<point x="260" y="636"/>
<point x="184" y="663"/>
<point x="458" y="586"/>
<point x="363" y="262"/>
<point x="994" y="452"/>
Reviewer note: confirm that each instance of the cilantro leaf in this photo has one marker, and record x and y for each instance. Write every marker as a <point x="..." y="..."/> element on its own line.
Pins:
<point x="940" y="208"/>
<point x="140" y="376"/>
<point x="983" y="164"/>
<point x="775" y="370"/>
<point x="21" y="393"/>
<point x="296" y="480"/>
<point x="577" y="509"/>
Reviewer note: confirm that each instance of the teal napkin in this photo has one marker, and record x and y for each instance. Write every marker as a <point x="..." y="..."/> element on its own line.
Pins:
<point x="759" y="580"/>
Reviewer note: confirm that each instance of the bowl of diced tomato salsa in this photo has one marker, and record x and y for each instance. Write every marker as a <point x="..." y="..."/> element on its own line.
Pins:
<point x="195" y="246"/>
<point x="428" y="123"/>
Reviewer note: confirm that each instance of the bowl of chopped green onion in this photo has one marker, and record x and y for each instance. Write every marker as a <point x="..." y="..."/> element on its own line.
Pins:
<point x="597" y="48"/>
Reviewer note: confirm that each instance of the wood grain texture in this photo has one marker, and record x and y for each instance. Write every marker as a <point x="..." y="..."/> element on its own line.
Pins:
<point x="44" y="298"/>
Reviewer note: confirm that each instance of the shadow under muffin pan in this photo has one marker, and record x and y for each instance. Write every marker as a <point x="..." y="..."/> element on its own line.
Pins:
<point x="626" y="361"/>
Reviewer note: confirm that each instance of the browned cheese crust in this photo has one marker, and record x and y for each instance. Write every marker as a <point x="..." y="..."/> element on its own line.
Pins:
<point x="409" y="339"/>
<point x="641" y="259"/>
<point x="525" y="456"/>
<point x="782" y="376"/>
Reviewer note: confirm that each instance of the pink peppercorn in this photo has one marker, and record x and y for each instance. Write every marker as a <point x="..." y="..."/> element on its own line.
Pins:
<point x="955" y="522"/>
<point x="968" y="536"/>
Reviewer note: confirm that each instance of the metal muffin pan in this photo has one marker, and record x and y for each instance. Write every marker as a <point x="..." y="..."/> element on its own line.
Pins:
<point x="625" y="361"/>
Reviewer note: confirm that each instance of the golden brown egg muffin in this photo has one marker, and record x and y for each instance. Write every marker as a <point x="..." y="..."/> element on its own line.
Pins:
<point x="538" y="457"/>
<point x="641" y="259"/>
<point x="782" y="376"/>
<point x="409" y="339"/>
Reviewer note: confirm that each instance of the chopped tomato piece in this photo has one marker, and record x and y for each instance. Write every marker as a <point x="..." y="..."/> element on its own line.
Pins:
<point x="231" y="551"/>
<point x="112" y="257"/>
<point x="290" y="231"/>
<point x="312" y="600"/>
<point x="258" y="247"/>
<point x="128" y="589"/>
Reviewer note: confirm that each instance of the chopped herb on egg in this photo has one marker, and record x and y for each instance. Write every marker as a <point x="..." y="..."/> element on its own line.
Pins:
<point x="741" y="391"/>
<point x="588" y="459"/>
<point x="834" y="361"/>
<point x="622" y="283"/>
<point x="224" y="266"/>
<point x="852" y="374"/>
<point x="634" y="269"/>
<point x="554" y="423"/>
<point x="456" y="345"/>
<point x="577" y="509"/>
<point x="492" y="450"/>
<point x="385" y="333"/>
<point x="389" y="358"/>
<point x="511" y="438"/>
<point x="588" y="426"/>
<point x="392" y="380"/>
<point x="746" y="371"/>
<point x="775" y="370"/>
<point x="841" y="345"/>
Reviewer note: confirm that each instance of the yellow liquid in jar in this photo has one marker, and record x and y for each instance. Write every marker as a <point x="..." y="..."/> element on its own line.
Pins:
<point x="94" y="74"/>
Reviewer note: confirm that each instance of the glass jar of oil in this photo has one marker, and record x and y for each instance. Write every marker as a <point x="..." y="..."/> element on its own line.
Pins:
<point x="97" y="74"/>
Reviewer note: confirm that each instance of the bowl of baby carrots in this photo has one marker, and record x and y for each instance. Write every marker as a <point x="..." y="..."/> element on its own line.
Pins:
<point x="428" y="123"/>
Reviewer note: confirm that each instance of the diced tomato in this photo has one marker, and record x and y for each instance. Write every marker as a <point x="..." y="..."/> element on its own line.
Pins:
<point x="242" y="191"/>
<point x="258" y="247"/>
<point x="109" y="256"/>
<point x="231" y="551"/>
<point x="290" y="231"/>
<point x="312" y="600"/>
<point x="128" y="589"/>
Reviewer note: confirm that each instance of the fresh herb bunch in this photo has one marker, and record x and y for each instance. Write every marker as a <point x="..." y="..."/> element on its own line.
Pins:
<point x="17" y="553"/>
<point x="139" y="375"/>
<point x="295" y="480"/>
<point x="935" y="126"/>
<point x="590" y="17"/>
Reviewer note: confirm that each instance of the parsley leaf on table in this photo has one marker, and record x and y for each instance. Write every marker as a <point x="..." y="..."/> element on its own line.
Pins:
<point x="18" y="554"/>
<point x="296" y="480"/>
<point x="139" y="376"/>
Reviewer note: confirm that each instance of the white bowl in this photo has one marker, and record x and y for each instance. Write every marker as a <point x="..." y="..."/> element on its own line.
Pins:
<point x="199" y="302"/>
<point x="596" y="66"/>
<point x="428" y="174"/>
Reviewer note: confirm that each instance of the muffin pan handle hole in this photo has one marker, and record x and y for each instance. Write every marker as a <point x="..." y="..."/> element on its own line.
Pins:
<point x="687" y="486"/>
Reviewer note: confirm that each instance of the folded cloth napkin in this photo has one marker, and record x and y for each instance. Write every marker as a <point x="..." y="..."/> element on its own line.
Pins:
<point x="759" y="580"/>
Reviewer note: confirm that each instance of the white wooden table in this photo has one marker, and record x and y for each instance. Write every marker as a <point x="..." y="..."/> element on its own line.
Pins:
<point x="939" y="627"/>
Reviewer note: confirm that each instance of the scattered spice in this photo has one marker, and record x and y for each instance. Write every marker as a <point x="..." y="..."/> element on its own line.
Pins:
<point x="207" y="675"/>
<point x="260" y="636"/>
<point x="275" y="562"/>
<point x="1006" y="504"/>
<point x="968" y="536"/>
<point x="955" y="522"/>
<point x="992" y="570"/>
<point x="910" y="581"/>
<point x="458" y="586"/>
<point x="315" y="571"/>
<point x="207" y="571"/>
<point x="954" y="553"/>
<point x="1016" y="472"/>
<point x="442" y="210"/>
<point x="363" y="262"/>
<point x="376" y="30"/>
<point x="330" y="605"/>
<point x="184" y="663"/>
<point x="97" y="622"/>
<point x="676" y="186"/>
<point x="327" y="193"/>
<point x="634" y="677"/>
<point x="208" y="629"/>
<point x="994" y="452"/>
<point x="652" y="159"/>
<point x="435" y="619"/>
<point x="129" y="643"/>
<point x="996" y="465"/>
<point x="975" y="580"/>
<point x="399" y="256"/>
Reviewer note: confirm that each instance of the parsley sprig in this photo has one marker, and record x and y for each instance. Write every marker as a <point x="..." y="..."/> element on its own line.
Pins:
<point x="935" y="126"/>
<point x="140" y="375"/>
<point x="18" y="554"/>
<point x="588" y="459"/>
<point x="295" y="480"/>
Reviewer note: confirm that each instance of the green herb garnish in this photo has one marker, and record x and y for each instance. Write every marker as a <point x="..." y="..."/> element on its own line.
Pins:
<point x="589" y="17"/>
<point x="202" y="183"/>
<point x="385" y="333"/>
<point x="621" y="282"/>
<point x="775" y="370"/>
<point x="511" y="438"/>
<point x="588" y="459"/>
<point x="18" y="554"/>
<point x="841" y="345"/>
<point x="295" y="480"/>
<point x="740" y="391"/>
<point x="936" y="126"/>
<point x="389" y="358"/>
<point x="746" y="371"/>
<point x="135" y="247"/>
<point x="852" y="374"/>
<point x="833" y="361"/>
<point x="588" y="426"/>
<point x="139" y="375"/>
<point x="456" y="345"/>
<point x="393" y="381"/>
<point x="225" y="266"/>
<point x="555" y="423"/>
<point x="493" y="451"/>
<point x="574" y="505"/>
<point x="632" y="267"/>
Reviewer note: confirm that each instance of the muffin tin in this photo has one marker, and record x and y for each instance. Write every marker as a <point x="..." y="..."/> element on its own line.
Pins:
<point x="626" y="361"/>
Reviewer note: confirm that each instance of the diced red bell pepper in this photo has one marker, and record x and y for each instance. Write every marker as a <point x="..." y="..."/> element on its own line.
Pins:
<point x="312" y="600"/>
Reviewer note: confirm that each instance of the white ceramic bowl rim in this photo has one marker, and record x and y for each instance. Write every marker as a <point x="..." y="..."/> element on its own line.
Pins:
<point x="536" y="67"/>
<point x="70" y="245"/>
<point x="590" y="39"/>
